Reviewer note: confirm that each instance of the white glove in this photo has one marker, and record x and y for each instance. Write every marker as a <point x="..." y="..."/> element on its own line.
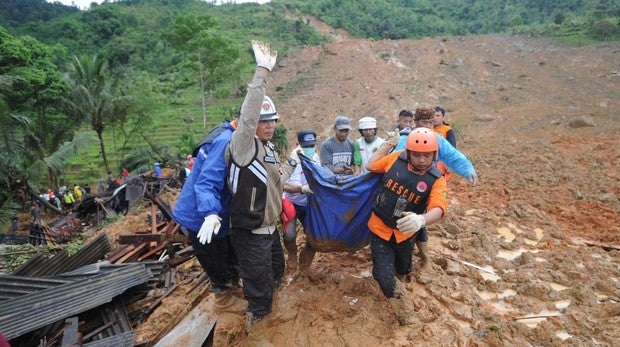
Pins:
<point x="209" y="227"/>
<point x="393" y="138"/>
<point x="263" y="54"/>
<point x="410" y="223"/>
<point x="295" y="154"/>
<point x="473" y="179"/>
<point x="306" y="189"/>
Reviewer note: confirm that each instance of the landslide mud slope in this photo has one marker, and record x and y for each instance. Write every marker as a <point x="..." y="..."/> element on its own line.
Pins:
<point x="546" y="184"/>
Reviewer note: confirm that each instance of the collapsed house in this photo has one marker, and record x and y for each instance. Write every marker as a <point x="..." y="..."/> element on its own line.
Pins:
<point x="97" y="296"/>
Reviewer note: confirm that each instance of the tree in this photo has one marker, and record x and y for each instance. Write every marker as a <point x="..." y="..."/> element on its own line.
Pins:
<point x="32" y="87"/>
<point x="93" y="99"/>
<point x="604" y="29"/>
<point x="213" y="55"/>
<point x="20" y="168"/>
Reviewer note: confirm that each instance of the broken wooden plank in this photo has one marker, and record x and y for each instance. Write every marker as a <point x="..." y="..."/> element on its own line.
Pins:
<point x="118" y="254"/>
<point x="478" y="267"/>
<point x="193" y="330"/>
<point x="70" y="335"/>
<point x="153" y="251"/>
<point x="533" y="316"/>
<point x="153" y="219"/>
<point x="605" y="246"/>
<point x="196" y="302"/>
<point x="129" y="255"/>
<point x="137" y="239"/>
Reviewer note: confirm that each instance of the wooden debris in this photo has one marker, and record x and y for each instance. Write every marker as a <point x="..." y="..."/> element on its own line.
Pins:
<point x="605" y="246"/>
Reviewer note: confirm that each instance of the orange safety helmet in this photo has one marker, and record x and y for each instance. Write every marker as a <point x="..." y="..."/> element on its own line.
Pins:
<point x="422" y="140"/>
<point x="288" y="213"/>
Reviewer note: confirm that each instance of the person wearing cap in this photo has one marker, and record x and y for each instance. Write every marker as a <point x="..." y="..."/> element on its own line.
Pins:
<point x="366" y="145"/>
<point x="296" y="189"/>
<point x="255" y="178"/>
<point x="337" y="151"/>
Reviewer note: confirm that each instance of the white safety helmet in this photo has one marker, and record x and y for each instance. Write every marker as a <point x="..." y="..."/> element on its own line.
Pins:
<point x="268" y="110"/>
<point x="367" y="123"/>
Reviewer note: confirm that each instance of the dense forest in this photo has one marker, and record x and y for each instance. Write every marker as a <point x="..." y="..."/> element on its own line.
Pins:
<point x="401" y="19"/>
<point x="130" y="82"/>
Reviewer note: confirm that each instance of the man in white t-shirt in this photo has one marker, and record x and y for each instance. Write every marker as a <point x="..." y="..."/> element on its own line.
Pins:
<point x="366" y="145"/>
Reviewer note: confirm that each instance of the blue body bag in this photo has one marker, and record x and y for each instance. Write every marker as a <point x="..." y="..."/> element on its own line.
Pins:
<point x="337" y="213"/>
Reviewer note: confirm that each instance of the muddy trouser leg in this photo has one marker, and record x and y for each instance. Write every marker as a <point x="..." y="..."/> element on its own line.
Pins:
<point x="233" y="262"/>
<point x="383" y="256"/>
<point x="290" y="242"/>
<point x="421" y="241"/>
<point x="254" y="252"/>
<point x="213" y="257"/>
<point x="403" y="257"/>
<point x="389" y="258"/>
<point x="290" y="237"/>
<point x="402" y="305"/>
<point x="306" y="255"/>
<point x="277" y="259"/>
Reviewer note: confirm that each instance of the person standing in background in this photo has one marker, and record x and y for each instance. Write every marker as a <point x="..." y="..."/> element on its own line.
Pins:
<point x="296" y="190"/>
<point x="366" y="145"/>
<point x="337" y="151"/>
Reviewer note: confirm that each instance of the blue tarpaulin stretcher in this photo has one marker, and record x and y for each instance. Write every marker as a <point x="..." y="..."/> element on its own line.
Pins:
<point x="338" y="211"/>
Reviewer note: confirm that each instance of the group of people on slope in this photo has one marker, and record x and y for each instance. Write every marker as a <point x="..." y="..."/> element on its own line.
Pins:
<point x="65" y="197"/>
<point x="232" y="200"/>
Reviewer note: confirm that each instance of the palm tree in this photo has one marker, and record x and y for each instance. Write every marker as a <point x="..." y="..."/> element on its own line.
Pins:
<point x="93" y="99"/>
<point x="21" y="171"/>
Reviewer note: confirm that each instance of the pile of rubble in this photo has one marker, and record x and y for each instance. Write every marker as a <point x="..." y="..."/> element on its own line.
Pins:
<point x="98" y="295"/>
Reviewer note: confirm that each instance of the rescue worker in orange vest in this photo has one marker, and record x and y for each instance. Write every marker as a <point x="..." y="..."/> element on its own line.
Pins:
<point x="445" y="130"/>
<point x="412" y="195"/>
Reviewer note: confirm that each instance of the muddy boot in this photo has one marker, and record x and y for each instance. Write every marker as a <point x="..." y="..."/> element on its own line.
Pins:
<point x="404" y="278"/>
<point x="252" y="319"/>
<point x="402" y="305"/>
<point x="291" y="260"/>
<point x="225" y="301"/>
<point x="305" y="257"/>
<point x="423" y="253"/>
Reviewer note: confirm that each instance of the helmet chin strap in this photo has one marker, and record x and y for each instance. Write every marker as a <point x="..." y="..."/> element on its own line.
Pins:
<point x="413" y="168"/>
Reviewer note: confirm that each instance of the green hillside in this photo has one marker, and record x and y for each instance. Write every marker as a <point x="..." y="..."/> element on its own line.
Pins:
<point x="153" y="53"/>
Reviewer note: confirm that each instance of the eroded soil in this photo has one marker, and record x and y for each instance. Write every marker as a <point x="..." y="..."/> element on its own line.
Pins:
<point x="545" y="185"/>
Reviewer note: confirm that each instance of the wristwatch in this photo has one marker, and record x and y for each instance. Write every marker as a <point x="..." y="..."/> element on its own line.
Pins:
<point x="292" y="162"/>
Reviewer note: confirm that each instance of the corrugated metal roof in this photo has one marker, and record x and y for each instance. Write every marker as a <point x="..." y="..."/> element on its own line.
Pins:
<point x="155" y="267"/>
<point x="30" y="312"/>
<point x="39" y="265"/>
<point x="126" y="339"/>
<point x="91" y="253"/>
<point x="34" y="262"/>
<point x="15" y="286"/>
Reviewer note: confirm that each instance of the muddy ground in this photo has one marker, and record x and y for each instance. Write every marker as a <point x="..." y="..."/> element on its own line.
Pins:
<point x="539" y="121"/>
